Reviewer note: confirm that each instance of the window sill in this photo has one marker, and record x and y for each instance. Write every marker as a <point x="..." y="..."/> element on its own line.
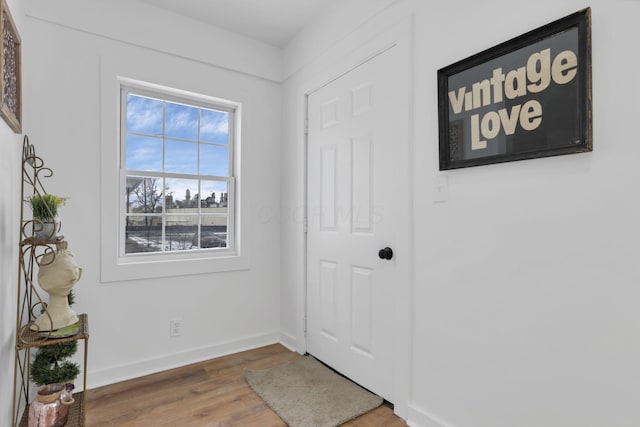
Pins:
<point x="134" y="268"/>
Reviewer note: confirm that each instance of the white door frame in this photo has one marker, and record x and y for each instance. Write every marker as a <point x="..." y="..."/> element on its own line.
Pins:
<point x="399" y="36"/>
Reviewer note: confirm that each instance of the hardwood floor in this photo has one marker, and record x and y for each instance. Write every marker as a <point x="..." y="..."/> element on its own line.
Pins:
<point x="206" y="394"/>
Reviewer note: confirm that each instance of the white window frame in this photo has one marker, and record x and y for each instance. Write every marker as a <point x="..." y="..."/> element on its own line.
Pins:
<point x="116" y="265"/>
<point x="171" y="95"/>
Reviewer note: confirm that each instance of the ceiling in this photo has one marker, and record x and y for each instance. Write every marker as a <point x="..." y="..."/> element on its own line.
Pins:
<point x="274" y="22"/>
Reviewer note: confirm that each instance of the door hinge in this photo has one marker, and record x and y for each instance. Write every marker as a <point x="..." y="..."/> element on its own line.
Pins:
<point x="306" y="126"/>
<point x="304" y="324"/>
<point x="305" y="225"/>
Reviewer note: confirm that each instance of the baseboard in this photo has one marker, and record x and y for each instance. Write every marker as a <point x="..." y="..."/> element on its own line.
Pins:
<point x="419" y="417"/>
<point x="114" y="374"/>
<point x="288" y="341"/>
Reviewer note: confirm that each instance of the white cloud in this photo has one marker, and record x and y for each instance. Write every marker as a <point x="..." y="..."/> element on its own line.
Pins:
<point x="144" y="115"/>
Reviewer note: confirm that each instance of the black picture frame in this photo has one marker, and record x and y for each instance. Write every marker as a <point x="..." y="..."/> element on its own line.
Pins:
<point x="526" y="98"/>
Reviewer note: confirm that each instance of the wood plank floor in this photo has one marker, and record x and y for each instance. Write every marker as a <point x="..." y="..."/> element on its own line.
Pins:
<point x="206" y="394"/>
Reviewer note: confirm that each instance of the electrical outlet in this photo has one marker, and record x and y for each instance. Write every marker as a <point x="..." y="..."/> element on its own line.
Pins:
<point x="175" y="327"/>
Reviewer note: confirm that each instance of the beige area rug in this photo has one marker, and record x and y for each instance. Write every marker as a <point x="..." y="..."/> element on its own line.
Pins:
<point x="305" y="393"/>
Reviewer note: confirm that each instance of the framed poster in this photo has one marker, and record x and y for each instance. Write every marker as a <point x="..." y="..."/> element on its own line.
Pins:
<point x="10" y="79"/>
<point x="526" y="98"/>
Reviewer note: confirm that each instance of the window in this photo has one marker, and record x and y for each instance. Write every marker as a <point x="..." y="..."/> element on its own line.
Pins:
<point x="177" y="183"/>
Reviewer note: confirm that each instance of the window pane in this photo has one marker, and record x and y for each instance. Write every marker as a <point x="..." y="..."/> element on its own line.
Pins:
<point x="214" y="196"/>
<point x="180" y="232"/>
<point x="143" y="195"/>
<point x="143" y="234"/>
<point x="214" y="126"/>
<point x="181" y="157"/>
<point x="182" y="194"/>
<point x="144" y="115"/>
<point x="144" y="153"/>
<point x="213" y="231"/>
<point x="181" y="121"/>
<point x="214" y="160"/>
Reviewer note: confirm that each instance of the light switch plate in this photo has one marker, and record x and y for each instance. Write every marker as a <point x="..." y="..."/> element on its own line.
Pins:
<point x="441" y="189"/>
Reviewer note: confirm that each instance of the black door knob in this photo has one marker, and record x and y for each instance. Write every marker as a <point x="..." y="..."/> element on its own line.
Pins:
<point x="386" y="253"/>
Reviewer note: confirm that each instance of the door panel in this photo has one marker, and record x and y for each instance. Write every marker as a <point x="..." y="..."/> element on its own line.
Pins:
<point x="356" y="150"/>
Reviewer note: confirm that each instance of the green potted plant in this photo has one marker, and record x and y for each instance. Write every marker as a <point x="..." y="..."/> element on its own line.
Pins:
<point x="45" y="215"/>
<point x="51" y="363"/>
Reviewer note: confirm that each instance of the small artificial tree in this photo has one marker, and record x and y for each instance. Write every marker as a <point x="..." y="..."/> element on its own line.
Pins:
<point x="50" y="364"/>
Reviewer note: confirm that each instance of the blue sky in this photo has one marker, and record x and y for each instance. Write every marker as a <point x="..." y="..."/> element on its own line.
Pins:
<point x="181" y="124"/>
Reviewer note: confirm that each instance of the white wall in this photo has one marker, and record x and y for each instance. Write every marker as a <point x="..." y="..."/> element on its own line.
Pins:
<point x="10" y="159"/>
<point x="524" y="287"/>
<point x="525" y="283"/>
<point x="142" y="25"/>
<point x="129" y="320"/>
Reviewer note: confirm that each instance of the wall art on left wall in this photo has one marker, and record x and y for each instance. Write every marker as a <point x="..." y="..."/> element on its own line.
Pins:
<point x="10" y="79"/>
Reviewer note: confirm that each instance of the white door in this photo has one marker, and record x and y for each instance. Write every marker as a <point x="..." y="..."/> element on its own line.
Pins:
<point x="357" y="203"/>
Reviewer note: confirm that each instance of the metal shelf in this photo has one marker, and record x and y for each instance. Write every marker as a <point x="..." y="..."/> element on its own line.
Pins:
<point x="28" y="338"/>
<point x="76" y="413"/>
<point x="29" y="301"/>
